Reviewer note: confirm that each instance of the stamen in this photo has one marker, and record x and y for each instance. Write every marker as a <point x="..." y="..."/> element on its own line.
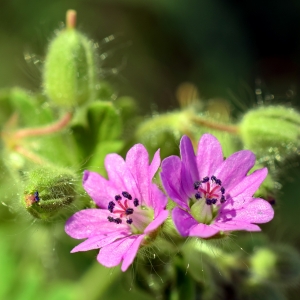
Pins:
<point x="129" y="221"/>
<point x="197" y="184"/>
<point x="118" y="221"/>
<point x="127" y="195"/>
<point x="211" y="189"/>
<point x="110" y="219"/>
<point x="136" y="202"/>
<point x="208" y="201"/>
<point x="129" y="211"/>
<point x="205" y="179"/>
<point x="111" y="206"/>
<point x="197" y="196"/>
<point x="118" y="197"/>
<point x="214" y="200"/>
<point x="218" y="182"/>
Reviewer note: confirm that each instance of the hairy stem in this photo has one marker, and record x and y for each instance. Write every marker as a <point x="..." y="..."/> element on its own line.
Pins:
<point x="27" y="132"/>
<point x="233" y="129"/>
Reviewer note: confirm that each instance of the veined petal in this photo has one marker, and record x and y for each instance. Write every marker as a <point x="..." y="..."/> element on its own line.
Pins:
<point x="154" y="164"/>
<point x="249" y="185"/>
<point x="157" y="221"/>
<point x="256" y="211"/>
<point x="89" y="222"/>
<point x="112" y="254"/>
<point x="99" y="189"/>
<point x="120" y="174"/>
<point x="159" y="199"/>
<point x="233" y="170"/>
<point x="131" y="253"/>
<point x="209" y="155"/>
<point x="137" y="161"/>
<point x="183" y="221"/>
<point x="171" y="180"/>
<point x="203" y="231"/>
<point x="99" y="241"/>
<point x="234" y="225"/>
<point x="189" y="173"/>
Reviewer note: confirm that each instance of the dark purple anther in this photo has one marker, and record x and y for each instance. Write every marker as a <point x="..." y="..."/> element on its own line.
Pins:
<point x="118" y="221"/>
<point x="197" y="184"/>
<point x="129" y="211"/>
<point x="136" y="202"/>
<point x="205" y="179"/>
<point x="197" y="196"/>
<point x="111" y="206"/>
<point x="127" y="195"/>
<point x="208" y="201"/>
<point x="218" y="182"/>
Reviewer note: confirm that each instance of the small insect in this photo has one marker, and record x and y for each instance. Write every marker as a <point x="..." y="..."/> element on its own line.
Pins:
<point x="32" y="198"/>
<point x="36" y="196"/>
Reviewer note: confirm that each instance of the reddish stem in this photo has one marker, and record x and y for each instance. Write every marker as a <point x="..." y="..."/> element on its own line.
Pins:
<point x="27" y="132"/>
<point x="218" y="126"/>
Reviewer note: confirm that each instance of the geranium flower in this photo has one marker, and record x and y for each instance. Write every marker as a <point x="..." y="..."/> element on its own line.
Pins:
<point x="214" y="195"/>
<point x="131" y="208"/>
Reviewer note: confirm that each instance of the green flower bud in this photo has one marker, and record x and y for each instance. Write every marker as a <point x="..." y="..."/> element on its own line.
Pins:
<point x="70" y="69"/>
<point x="271" y="131"/>
<point x="278" y="264"/>
<point x="48" y="192"/>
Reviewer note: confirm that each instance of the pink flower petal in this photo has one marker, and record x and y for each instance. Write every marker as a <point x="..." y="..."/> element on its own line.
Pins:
<point x="157" y="221"/>
<point x="99" y="189"/>
<point x="99" y="241"/>
<point x="89" y="222"/>
<point x="256" y="211"/>
<point x="131" y="253"/>
<point x="249" y="185"/>
<point x="154" y="164"/>
<point x="159" y="199"/>
<point x="203" y="231"/>
<point x="112" y="254"/>
<point x="189" y="172"/>
<point x="171" y="180"/>
<point x="234" y="225"/>
<point x="119" y="173"/>
<point x="209" y="156"/>
<point x="233" y="170"/>
<point x="183" y="221"/>
<point x="137" y="161"/>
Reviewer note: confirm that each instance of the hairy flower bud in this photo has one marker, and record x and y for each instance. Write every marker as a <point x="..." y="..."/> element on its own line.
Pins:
<point x="69" y="71"/>
<point x="48" y="191"/>
<point x="272" y="130"/>
<point x="278" y="264"/>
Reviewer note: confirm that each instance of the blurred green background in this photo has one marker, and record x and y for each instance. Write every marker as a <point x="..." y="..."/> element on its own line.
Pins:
<point x="228" y="49"/>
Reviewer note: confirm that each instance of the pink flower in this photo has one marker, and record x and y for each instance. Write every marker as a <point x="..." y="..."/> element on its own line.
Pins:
<point x="214" y="195"/>
<point x="131" y="208"/>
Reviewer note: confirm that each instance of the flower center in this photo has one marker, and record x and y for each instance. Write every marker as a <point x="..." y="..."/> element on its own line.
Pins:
<point x="210" y="189"/>
<point x="125" y="209"/>
<point x="210" y="194"/>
